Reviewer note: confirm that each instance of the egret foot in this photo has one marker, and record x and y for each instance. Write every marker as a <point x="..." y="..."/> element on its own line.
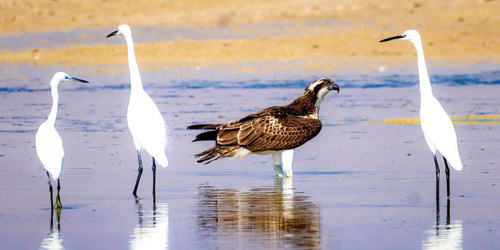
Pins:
<point x="58" y="204"/>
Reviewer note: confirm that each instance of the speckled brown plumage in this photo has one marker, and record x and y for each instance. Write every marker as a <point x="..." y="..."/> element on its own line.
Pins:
<point x="272" y="129"/>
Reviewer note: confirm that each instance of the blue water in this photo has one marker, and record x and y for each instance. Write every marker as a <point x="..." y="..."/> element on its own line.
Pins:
<point x="347" y="82"/>
<point x="356" y="185"/>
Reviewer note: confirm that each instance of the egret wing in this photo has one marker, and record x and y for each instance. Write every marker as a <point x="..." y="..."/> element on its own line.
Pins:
<point x="147" y="126"/>
<point x="439" y="130"/>
<point x="49" y="148"/>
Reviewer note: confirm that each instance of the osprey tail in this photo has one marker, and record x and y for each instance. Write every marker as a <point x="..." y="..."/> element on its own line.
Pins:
<point x="216" y="153"/>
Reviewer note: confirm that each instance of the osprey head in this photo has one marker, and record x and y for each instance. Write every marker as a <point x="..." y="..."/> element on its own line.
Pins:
<point x="322" y="86"/>
<point x="313" y="96"/>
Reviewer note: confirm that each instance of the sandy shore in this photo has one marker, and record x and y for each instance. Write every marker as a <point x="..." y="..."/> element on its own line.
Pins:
<point x="458" y="32"/>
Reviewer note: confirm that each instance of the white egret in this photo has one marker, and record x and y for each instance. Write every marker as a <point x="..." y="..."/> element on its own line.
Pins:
<point x="144" y="119"/>
<point x="437" y="126"/>
<point x="49" y="146"/>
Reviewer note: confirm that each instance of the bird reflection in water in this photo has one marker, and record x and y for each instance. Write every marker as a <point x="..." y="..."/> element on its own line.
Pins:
<point x="448" y="236"/>
<point x="53" y="240"/>
<point x="267" y="217"/>
<point x="152" y="229"/>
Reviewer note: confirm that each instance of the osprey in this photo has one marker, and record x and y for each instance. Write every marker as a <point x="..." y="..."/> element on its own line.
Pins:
<point x="275" y="130"/>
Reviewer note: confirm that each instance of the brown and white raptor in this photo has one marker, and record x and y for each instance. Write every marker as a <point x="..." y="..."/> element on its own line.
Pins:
<point x="275" y="130"/>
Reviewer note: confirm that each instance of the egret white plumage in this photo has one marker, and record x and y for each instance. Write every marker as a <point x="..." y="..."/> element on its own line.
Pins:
<point x="49" y="146"/>
<point x="144" y="119"/>
<point x="437" y="126"/>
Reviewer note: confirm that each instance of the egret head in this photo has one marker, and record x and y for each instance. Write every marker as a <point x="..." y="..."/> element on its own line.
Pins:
<point x="63" y="77"/>
<point x="409" y="35"/>
<point x="123" y="29"/>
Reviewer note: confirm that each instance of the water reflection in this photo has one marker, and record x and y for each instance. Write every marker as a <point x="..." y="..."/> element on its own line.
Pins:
<point x="267" y="217"/>
<point x="152" y="228"/>
<point x="53" y="241"/>
<point x="447" y="236"/>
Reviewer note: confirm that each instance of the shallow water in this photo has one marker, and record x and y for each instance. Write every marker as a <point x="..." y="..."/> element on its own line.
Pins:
<point x="356" y="186"/>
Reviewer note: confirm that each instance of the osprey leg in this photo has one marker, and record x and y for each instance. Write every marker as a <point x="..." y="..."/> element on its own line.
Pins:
<point x="277" y="163"/>
<point x="287" y="159"/>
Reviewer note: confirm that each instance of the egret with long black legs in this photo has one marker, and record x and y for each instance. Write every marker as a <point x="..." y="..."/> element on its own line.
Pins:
<point x="144" y="119"/>
<point x="49" y="146"/>
<point x="437" y="126"/>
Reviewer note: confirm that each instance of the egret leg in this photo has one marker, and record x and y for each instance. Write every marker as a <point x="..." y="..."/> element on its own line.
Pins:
<point x="139" y="173"/>
<point x="277" y="164"/>
<point x="437" y="177"/>
<point x="50" y="190"/>
<point x="438" y="215"/>
<point x="448" y="212"/>
<point x="59" y="221"/>
<point x="58" y="217"/>
<point x="154" y="177"/>
<point x="58" y="198"/>
<point x="51" y="219"/>
<point x="447" y="171"/>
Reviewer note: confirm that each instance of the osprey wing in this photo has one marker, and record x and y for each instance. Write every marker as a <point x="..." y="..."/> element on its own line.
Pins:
<point x="276" y="131"/>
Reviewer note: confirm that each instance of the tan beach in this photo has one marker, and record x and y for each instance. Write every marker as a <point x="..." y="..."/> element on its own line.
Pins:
<point x="457" y="32"/>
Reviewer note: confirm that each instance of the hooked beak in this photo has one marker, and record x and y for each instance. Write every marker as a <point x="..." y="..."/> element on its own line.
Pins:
<point x="392" y="38"/>
<point x="112" y="33"/>
<point x="78" y="79"/>
<point x="334" y="86"/>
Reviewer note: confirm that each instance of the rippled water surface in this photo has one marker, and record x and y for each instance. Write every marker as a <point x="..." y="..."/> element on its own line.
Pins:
<point x="358" y="185"/>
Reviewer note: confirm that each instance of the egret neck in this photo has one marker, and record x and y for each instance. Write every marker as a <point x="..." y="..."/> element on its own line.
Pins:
<point x="135" y="77"/>
<point x="55" y="102"/>
<point x="425" y="83"/>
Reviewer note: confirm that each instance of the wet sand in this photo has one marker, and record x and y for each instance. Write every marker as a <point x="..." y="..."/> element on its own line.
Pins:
<point x="366" y="181"/>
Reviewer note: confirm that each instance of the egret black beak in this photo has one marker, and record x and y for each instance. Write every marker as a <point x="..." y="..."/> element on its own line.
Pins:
<point x="334" y="86"/>
<point x="392" y="38"/>
<point x="78" y="79"/>
<point x="112" y="33"/>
